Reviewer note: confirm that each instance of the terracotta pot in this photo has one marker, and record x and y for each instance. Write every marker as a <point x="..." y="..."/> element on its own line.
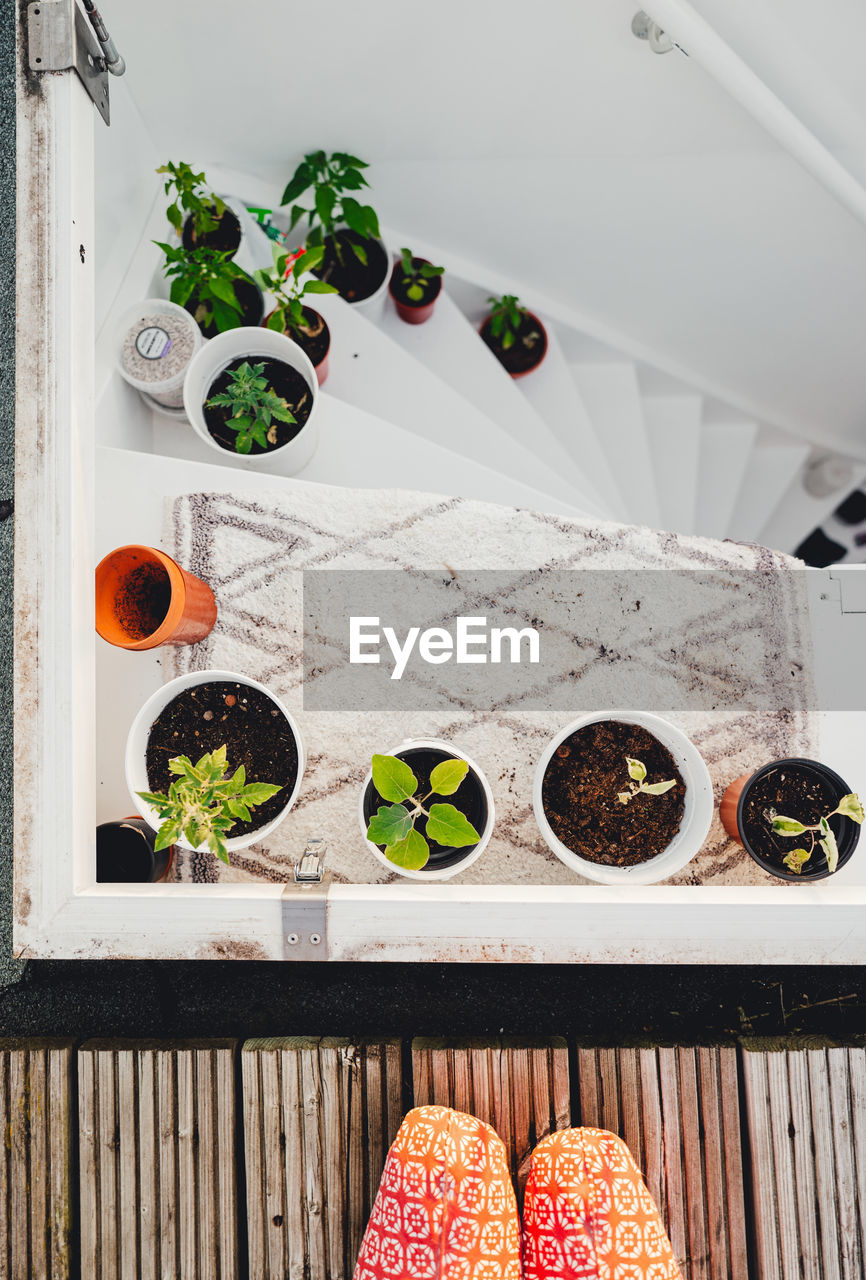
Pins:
<point x="733" y="804"/>
<point x="414" y="312"/>
<point x="191" y="612"/>
<point x="125" y="853"/>
<point x="321" y="369"/>
<point x="522" y="373"/>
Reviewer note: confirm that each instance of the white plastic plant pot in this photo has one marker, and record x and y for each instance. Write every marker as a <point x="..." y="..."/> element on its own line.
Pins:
<point x="373" y="307"/>
<point x="136" y="751"/>
<point x="461" y="860"/>
<point x="156" y="343"/>
<point x="252" y="344"/>
<point x="697" y="813"/>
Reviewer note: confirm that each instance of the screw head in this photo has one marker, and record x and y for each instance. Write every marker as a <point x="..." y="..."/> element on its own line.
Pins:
<point x="315" y="938"/>
<point x="293" y="939"/>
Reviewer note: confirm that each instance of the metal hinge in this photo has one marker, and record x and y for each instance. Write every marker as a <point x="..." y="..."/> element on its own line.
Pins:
<point x="63" y="35"/>
<point x="305" y="917"/>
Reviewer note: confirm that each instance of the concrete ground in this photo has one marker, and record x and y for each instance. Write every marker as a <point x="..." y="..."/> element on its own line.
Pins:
<point x="611" y="1004"/>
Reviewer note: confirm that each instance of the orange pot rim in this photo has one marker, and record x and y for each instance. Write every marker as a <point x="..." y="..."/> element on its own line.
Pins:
<point x="113" y="633"/>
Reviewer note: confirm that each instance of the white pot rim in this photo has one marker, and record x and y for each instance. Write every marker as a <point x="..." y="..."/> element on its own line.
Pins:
<point x="697" y="815"/>
<point x="446" y="873"/>
<point x="216" y="354"/>
<point x="136" y="744"/>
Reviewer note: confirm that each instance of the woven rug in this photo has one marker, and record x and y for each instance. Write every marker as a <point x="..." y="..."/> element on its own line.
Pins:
<point x="252" y="550"/>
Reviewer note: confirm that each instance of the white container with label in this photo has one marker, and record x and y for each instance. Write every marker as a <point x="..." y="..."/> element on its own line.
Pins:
<point x="156" y="342"/>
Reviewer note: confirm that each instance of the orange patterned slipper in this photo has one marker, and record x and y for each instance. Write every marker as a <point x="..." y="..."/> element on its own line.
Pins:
<point x="446" y="1208"/>
<point x="587" y="1214"/>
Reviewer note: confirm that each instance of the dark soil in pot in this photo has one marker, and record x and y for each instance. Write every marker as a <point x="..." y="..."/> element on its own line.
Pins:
<point x="799" y="789"/>
<point x="252" y="305"/>
<point x="314" y="339"/>
<point x="469" y="798"/>
<point x="225" y="237"/>
<point x="246" y="721"/>
<point x="527" y="351"/>
<point x="143" y="600"/>
<point x="400" y="291"/>
<point x="581" y="788"/>
<point x="353" y="279"/>
<point x="288" y="383"/>
<point x="125" y="853"/>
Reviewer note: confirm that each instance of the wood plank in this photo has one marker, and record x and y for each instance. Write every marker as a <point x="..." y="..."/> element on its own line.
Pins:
<point x="677" y="1110"/>
<point x="319" y="1117"/>
<point x="519" y="1087"/>
<point x="158" y="1160"/>
<point x="807" y="1132"/>
<point x="36" y="1200"/>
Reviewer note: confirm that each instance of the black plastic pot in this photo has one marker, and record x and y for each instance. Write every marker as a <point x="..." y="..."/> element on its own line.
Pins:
<point x="847" y="831"/>
<point x="125" y="853"/>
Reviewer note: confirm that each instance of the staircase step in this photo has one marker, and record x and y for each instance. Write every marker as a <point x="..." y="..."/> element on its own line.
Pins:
<point x="771" y="469"/>
<point x="450" y="346"/>
<point x="612" y="397"/>
<point x="372" y="371"/>
<point x="361" y="450"/>
<point x="798" y="514"/>
<point x="554" y="396"/>
<point x="726" y="448"/>
<point x="673" y="424"/>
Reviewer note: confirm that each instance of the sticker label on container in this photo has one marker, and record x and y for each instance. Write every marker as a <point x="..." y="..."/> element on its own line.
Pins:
<point x="153" y="343"/>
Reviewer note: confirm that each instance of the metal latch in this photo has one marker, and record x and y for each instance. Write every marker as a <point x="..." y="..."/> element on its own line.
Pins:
<point x="63" y="36"/>
<point x="305" y="906"/>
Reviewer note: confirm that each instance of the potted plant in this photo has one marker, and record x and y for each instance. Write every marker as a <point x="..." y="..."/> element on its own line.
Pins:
<point x="414" y="286"/>
<point x="426" y="810"/>
<point x="158" y="339"/>
<point x="144" y="599"/>
<point x="202" y="219"/>
<point x="212" y="288"/>
<point x="796" y="818"/>
<point x="355" y="259"/>
<point x="290" y="315"/>
<point x="126" y="853"/>
<point x="623" y="797"/>
<point x="516" y="337"/>
<point x="252" y="393"/>
<point x="204" y="752"/>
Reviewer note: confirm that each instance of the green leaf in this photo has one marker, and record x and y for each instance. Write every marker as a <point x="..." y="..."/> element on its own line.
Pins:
<point x="168" y="833"/>
<point x="389" y="825"/>
<point x="239" y="778"/>
<point x="154" y="798"/>
<point x="447" y="776"/>
<point x="371" y="221"/>
<point x="299" y="181"/>
<point x="415" y="292"/>
<point x="225" y="317"/>
<point x="225" y="291"/>
<point x="658" y="788"/>
<point x="411" y="853"/>
<point x="326" y="198"/>
<point x="258" y="792"/>
<point x="217" y="847"/>
<point x="831" y="849"/>
<point x="347" y="161"/>
<point x="318" y="286"/>
<point x="276" y="320"/>
<point x="174" y="216"/>
<point x="311" y="259"/>
<point x="788" y="826"/>
<point x="181" y="765"/>
<point x="795" y="860"/>
<point x="360" y="252"/>
<point x="636" y="769"/>
<point x="393" y="779"/>
<point x="238" y="809"/>
<point x="447" y="825"/>
<point x="850" y="807"/>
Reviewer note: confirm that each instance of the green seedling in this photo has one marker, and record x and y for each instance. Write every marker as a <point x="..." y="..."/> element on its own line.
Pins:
<point x="285" y="282"/>
<point x="393" y="825"/>
<point x="191" y="199"/>
<point x="417" y="279"/>
<point x="205" y="802"/>
<point x="848" y="807"/>
<point x="506" y="318"/>
<point x="255" y="408"/>
<point x="329" y="178"/>
<point x="638" y="784"/>
<point x="208" y="278"/>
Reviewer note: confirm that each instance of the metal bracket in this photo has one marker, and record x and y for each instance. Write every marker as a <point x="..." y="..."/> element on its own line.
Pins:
<point x="60" y="38"/>
<point x="305" y="906"/>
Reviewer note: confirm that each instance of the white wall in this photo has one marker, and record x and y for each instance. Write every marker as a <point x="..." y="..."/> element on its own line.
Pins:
<point x="547" y="141"/>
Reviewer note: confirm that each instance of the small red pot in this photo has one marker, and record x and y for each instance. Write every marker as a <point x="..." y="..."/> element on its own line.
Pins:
<point x="192" y="610"/>
<point x="522" y="373"/>
<point x="414" y="312"/>
<point x="322" y="367"/>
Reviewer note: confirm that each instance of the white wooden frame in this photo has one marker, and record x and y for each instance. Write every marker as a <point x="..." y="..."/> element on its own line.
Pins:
<point x="58" y="909"/>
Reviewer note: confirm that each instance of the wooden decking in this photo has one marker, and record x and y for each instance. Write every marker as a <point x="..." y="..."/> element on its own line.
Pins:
<point x="216" y="1160"/>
